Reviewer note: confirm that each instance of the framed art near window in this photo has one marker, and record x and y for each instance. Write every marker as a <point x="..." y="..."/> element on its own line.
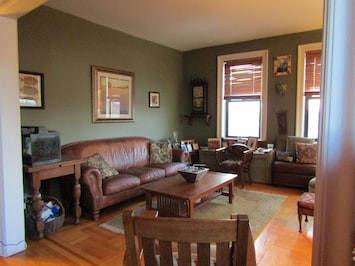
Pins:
<point x="31" y="89"/>
<point x="154" y="99"/>
<point x="282" y="65"/>
<point x="252" y="142"/>
<point x="199" y="97"/>
<point x="112" y="95"/>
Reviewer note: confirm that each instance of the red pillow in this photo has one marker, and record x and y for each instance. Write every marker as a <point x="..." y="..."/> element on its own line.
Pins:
<point x="306" y="152"/>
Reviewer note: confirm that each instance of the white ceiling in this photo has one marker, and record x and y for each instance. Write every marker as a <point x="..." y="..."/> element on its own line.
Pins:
<point x="190" y="24"/>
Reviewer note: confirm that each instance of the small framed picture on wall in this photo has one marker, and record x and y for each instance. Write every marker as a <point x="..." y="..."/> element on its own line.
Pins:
<point x="154" y="99"/>
<point x="282" y="65"/>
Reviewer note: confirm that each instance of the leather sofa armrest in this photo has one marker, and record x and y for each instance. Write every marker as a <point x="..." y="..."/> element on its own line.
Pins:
<point x="180" y="155"/>
<point x="92" y="180"/>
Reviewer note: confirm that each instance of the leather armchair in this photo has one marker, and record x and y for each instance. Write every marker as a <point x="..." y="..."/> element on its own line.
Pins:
<point x="235" y="159"/>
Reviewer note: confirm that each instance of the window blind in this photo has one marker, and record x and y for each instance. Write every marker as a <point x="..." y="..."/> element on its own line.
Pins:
<point x="313" y="72"/>
<point x="242" y="77"/>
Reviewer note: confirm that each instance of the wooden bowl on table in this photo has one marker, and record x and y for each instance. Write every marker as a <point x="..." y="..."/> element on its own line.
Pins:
<point x="193" y="174"/>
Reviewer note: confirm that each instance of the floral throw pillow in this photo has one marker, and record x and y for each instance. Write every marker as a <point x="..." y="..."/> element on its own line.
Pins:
<point x="306" y="153"/>
<point x="100" y="163"/>
<point x="161" y="152"/>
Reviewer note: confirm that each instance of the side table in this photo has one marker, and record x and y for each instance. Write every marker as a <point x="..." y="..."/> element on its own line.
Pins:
<point x="208" y="157"/>
<point x="67" y="166"/>
<point x="260" y="168"/>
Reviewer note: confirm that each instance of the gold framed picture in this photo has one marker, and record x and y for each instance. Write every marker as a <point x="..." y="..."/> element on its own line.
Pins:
<point x="112" y="95"/>
<point x="282" y="65"/>
<point x="154" y="99"/>
<point x="31" y="89"/>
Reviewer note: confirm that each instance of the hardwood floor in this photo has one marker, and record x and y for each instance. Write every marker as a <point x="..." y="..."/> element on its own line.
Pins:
<point x="280" y="243"/>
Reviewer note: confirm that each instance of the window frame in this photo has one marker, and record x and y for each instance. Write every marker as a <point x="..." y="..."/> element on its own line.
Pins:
<point x="300" y="102"/>
<point x="221" y="102"/>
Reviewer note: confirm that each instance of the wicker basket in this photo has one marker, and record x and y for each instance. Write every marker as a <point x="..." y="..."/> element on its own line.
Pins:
<point x="49" y="227"/>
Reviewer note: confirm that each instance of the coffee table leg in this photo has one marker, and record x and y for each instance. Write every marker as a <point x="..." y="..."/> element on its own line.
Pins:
<point x="231" y="194"/>
<point x="148" y="200"/>
<point x="190" y="205"/>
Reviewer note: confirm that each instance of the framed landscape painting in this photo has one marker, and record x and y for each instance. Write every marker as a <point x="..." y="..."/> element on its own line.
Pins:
<point x="112" y="95"/>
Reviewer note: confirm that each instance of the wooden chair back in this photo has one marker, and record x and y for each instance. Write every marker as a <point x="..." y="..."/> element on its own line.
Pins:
<point x="236" y="159"/>
<point x="168" y="241"/>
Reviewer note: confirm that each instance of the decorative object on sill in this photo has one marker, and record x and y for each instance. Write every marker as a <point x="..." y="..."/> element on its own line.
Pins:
<point x="31" y="89"/>
<point x="154" y="99"/>
<point x="282" y="65"/>
<point x="175" y="136"/>
<point x="281" y="88"/>
<point x="282" y="122"/>
<point x="112" y="95"/>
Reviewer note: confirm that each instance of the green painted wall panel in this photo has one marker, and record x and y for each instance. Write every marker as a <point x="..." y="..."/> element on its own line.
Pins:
<point x="203" y="63"/>
<point x="64" y="48"/>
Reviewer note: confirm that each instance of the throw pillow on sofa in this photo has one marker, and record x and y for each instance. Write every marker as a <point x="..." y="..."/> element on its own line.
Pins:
<point x="306" y="153"/>
<point x="161" y="152"/>
<point x="100" y="163"/>
<point x="292" y="140"/>
<point x="285" y="156"/>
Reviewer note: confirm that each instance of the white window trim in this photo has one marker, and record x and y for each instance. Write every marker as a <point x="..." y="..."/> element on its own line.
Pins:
<point x="221" y="121"/>
<point x="300" y="111"/>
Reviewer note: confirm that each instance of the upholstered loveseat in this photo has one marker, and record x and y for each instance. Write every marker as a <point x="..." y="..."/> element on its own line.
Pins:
<point x="117" y="167"/>
<point x="295" y="164"/>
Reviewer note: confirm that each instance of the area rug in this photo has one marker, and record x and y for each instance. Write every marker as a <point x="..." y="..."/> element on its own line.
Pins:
<point x="259" y="207"/>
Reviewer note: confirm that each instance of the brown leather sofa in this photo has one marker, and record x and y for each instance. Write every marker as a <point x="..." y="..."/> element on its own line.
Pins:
<point x="130" y="156"/>
<point x="292" y="173"/>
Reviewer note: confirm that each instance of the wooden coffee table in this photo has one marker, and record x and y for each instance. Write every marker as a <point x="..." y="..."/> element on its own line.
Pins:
<point x="176" y="197"/>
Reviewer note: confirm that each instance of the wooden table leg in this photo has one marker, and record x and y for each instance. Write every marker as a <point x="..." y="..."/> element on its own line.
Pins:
<point x="76" y="194"/>
<point x="37" y="207"/>
<point x="190" y="206"/>
<point x="148" y="200"/>
<point x="231" y="190"/>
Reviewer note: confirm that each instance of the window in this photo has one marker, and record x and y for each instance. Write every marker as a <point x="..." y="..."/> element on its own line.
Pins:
<point x="242" y="95"/>
<point x="308" y="90"/>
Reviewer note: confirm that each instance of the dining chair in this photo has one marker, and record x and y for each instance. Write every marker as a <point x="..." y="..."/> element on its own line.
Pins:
<point x="168" y="241"/>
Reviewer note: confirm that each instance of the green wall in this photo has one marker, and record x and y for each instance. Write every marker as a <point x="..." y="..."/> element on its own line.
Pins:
<point x="203" y="63"/>
<point x="64" y="47"/>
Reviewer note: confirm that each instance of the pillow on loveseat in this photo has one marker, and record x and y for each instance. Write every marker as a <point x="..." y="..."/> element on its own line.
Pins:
<point x="292" y="140"/>
<point x="161" y="152"/>
<point x="100" y="163"/>
<point x="306" y="153"/>
<point x="285" y="156"/>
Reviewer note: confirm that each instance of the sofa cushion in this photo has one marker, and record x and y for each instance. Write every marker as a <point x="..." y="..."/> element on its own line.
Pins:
<point x="285" y="156"/>
<point x="100" y="163"/>
<point x="118" y="183"/>
<point x="160" y="152"/>
<point x="306" y="153"/>
<point x="292" y="140"/>
<point x="283" y="168"/>
<point x="169" y="168"/>
<point x="146" y="174"/>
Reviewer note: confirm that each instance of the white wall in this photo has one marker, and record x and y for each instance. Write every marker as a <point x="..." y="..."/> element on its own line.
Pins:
<point x="12" y="228"/>
<point x="335" y="189"/>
